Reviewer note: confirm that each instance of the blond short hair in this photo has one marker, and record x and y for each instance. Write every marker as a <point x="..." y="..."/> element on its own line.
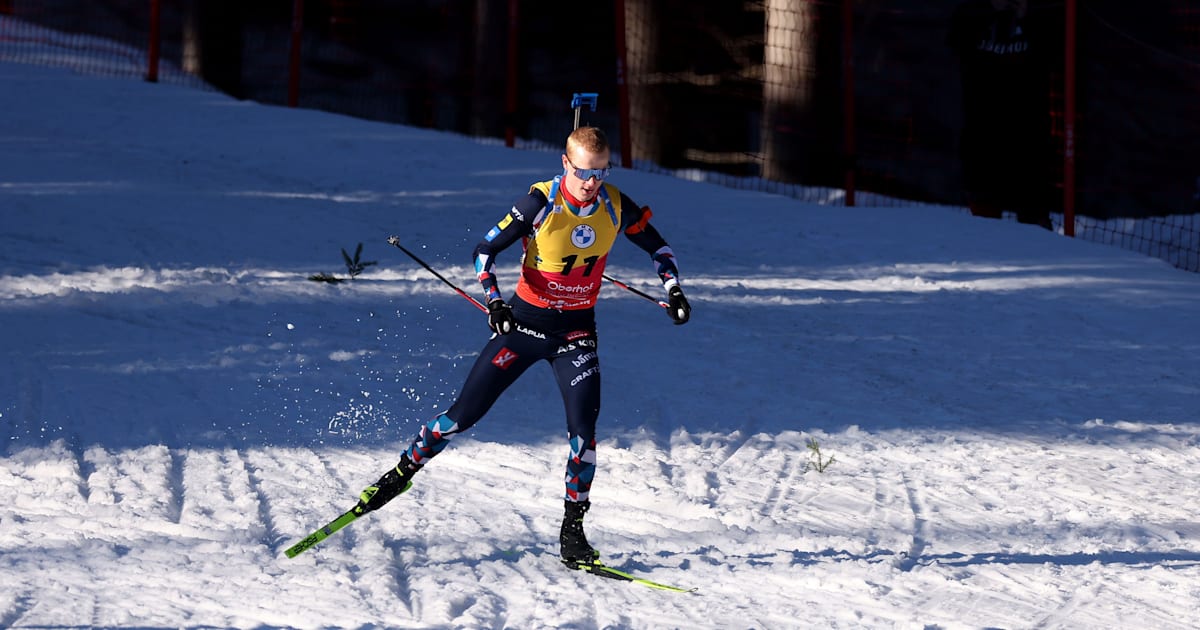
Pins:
<point x="590" y="139"/>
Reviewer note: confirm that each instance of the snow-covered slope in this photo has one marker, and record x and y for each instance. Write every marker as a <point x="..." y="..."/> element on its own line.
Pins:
<point x="1013" y="414"/>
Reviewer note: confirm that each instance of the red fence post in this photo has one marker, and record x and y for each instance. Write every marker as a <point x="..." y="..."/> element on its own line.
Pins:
<point x="510" y="100"/>
<point x="848" y="97"/>
<point x="152" y="53"/>
<point x="623" y="89"/>
<point x="1069" y="121"/>
<point x="293" y="98"/>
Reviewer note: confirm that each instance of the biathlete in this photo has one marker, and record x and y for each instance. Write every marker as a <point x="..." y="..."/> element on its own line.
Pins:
<point x="567" y="227"/>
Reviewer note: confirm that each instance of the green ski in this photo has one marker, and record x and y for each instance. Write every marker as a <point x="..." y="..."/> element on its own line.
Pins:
<point x="321" y="534"/>
<point x="392" y="483"/>
<point x="602" y="570"/>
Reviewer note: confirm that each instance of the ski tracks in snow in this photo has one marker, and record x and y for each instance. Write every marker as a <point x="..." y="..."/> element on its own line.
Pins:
<point x="907" y="559"/>
<point x="777" y="498"/>
<point x="15" y="605"/>
<point x="894" y="525"/>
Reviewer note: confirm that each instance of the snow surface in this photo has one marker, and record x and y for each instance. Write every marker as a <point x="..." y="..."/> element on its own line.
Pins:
<point x="1013" y="415"/>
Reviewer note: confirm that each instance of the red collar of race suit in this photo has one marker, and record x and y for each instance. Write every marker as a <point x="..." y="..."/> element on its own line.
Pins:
<point x="577" y="204"/>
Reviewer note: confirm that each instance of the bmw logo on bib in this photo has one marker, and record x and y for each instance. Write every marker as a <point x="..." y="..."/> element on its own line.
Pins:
<point x="583" y="236"/>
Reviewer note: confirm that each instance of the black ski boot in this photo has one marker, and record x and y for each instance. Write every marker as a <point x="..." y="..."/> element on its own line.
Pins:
<point x="392" y="484"/>
<point x="573" y="545"/>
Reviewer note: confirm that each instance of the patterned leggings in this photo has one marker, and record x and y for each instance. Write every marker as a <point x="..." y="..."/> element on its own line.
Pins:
<point x="576" y="368"/>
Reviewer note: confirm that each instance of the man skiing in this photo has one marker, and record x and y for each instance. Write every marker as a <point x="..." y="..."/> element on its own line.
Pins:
<point x="567" y="227"/>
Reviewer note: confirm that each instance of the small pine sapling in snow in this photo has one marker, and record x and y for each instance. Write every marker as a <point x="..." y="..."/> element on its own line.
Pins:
<point x="355" y="265"/>
<point x="817" y="461"/>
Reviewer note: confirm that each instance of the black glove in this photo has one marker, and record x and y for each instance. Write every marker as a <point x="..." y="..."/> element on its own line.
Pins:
<point x="500" y="317"/>
<point x="679" y="309"/>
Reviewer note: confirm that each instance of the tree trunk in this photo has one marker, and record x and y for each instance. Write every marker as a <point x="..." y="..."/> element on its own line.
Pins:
<point x="212" y="40"/>
<point x="645" y="116"/>
<point x="488" y="73"/>
<point x="789" y="78"/>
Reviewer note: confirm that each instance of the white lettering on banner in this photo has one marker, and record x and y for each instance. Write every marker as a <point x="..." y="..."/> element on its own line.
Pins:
<point x="1004" y="49"/>
<point x="584" y="374"/>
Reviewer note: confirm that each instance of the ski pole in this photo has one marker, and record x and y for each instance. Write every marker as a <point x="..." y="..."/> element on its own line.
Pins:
<point x="395" y="240"/>
<point x="635" y="291"/>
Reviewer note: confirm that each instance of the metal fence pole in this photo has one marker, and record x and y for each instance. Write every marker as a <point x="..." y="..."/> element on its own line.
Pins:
<point x="510" y="89"/>
<point x="153" y="52"/>
<point x="293" y="99"/>
<point x="1069" y="121"/>
<point x="623" y="89"/>
<point x="849" y="149"/>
